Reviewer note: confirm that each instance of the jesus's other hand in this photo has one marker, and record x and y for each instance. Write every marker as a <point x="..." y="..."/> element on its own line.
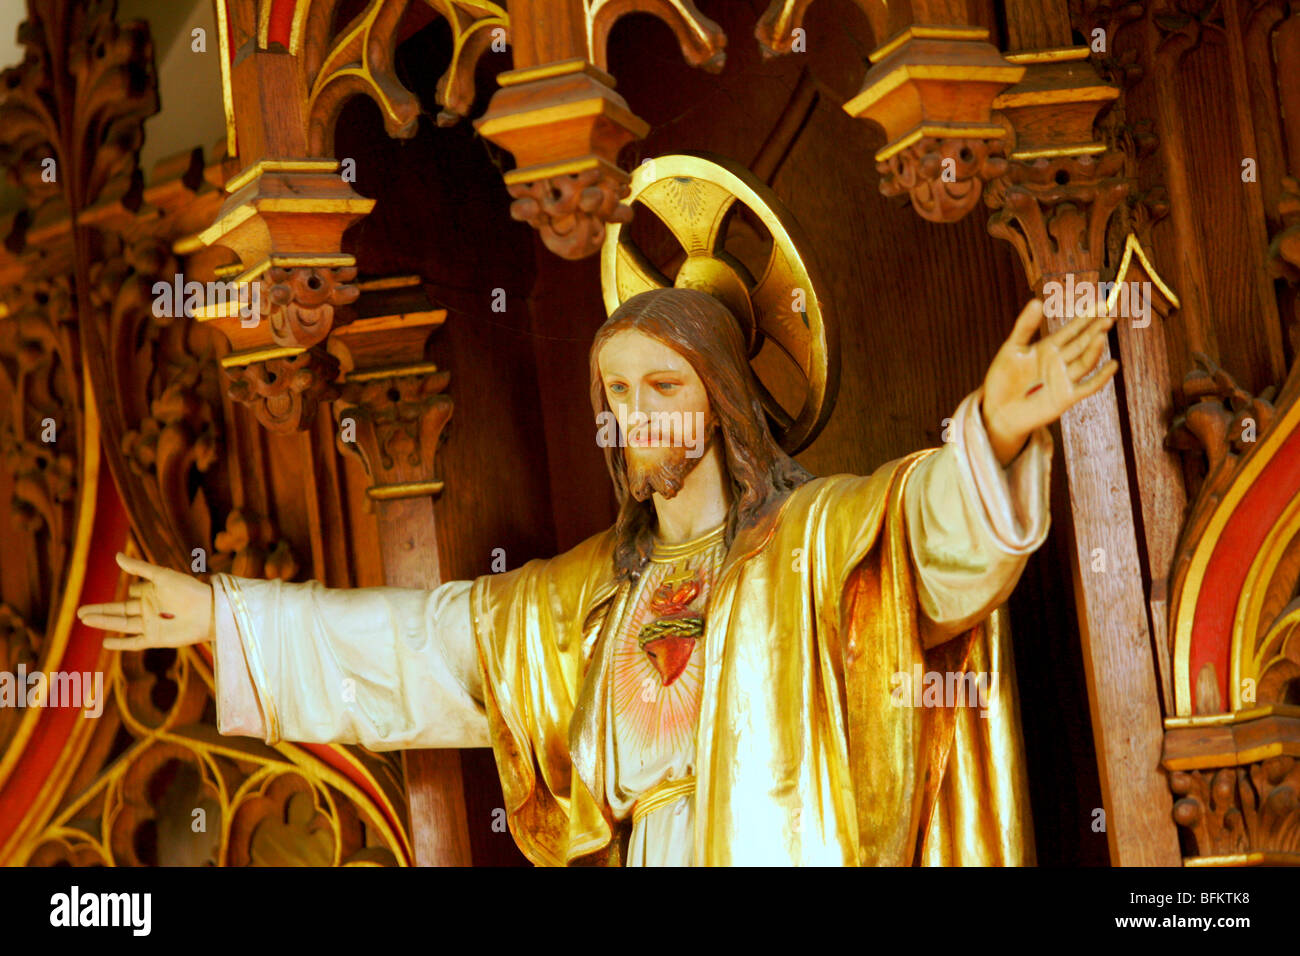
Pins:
<point x="1031" y="384"/>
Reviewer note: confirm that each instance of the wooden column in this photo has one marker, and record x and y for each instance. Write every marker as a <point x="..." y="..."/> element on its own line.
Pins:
<point x="1056" y="206"/>
<point x="391" y="413"/>
<point x="434" y="786"/>
<point x="1055" y="211"/>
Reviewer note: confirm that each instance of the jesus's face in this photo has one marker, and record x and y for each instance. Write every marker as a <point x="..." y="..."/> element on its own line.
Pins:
<point x="656" y="392"/>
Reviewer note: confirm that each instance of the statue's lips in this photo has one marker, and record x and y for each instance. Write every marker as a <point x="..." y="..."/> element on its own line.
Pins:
<point x="638" y="441"/>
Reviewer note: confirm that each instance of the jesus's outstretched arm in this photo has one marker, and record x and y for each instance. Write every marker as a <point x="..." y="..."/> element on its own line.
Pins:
<point x="979" y="508"/>
<point x="384" y="667"/>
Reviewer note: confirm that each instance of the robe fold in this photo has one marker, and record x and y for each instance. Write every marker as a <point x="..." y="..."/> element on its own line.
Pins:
<point x="807" y="750"/>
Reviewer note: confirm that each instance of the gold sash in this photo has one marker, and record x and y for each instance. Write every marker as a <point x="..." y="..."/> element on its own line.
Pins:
<point x="661" y="795"/>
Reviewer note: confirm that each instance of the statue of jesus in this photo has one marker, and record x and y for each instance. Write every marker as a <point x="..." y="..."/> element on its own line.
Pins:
<point x="712" y="680"/>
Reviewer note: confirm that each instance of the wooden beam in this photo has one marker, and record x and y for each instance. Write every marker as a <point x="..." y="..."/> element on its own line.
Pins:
<point x="1117" y="650"/>
<point x="434" y="786"/>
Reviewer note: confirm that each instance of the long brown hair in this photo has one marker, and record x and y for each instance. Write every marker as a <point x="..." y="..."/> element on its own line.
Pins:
<point x="703" y="331"/>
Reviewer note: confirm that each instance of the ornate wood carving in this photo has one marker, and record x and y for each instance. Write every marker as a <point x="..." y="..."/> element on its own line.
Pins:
<point x="399" y="422"/>
<point x="284" y="220"/>
<point x="944" y="178"/>
<point x="1056" y="212"/>
<point x="565" y="126"/>
<point x="78" y="271"/>
<point x="1222" y="422"/>
<point x="557" y="112"/>
<point x="1238" y="565"/>
<point x="775" y="28"/>
<point x="285" y="392"/>
<point x="307" y="298"/>
<point x="359" y="61"/>
<point x="393" y="404"/>
<point x="570" y="211"/>
<point x="1246" y="814"/>
<point x="932" y="89"/>
<point x="250" y="548"/>
<point x="40" y="429"/>
<point x="1284" y="250"/>
<point x="702" y="42"/>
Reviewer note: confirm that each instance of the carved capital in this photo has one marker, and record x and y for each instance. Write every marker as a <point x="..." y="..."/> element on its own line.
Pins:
<point x="1240" y="814"/>
<point x="944" y="178"/>
<point x="285" y="391"/>
<point x="1235" y="811"/>
<point x="1056" y="212"/>
<point x="397" y="417"/>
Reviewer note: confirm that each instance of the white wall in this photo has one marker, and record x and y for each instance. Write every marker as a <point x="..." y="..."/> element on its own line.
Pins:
<point x="12" y="13"/>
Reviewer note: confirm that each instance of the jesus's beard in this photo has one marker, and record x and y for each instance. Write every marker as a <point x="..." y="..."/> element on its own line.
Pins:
<point x="666" y="474"/>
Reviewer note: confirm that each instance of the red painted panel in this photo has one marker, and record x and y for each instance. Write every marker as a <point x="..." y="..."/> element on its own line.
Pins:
<point x="55" y="724"/>
<point x="1255" y="515"/>
<point x="280" y="28"/>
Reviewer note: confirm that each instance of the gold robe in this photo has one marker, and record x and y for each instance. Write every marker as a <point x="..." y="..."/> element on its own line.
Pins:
<point x="803" y="753"/>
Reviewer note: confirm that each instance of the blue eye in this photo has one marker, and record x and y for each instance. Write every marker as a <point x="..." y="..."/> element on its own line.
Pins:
<point x="618" y="388"/>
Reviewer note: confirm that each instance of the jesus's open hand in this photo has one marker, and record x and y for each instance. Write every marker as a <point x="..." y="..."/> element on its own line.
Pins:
<point x="1031" y="384"/>
<point x="165" y="609"/>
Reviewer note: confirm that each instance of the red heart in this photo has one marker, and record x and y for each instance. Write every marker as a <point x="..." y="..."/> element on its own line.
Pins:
<point x="670" y="655"/>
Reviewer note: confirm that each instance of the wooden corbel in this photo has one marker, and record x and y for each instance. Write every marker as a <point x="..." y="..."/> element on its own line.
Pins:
<point x="557" y="112"/>
<point x="932" y="89"/>
<point x="394" y="399"/>
<point x="284" y="221"/>
<point x="565" y="126"/>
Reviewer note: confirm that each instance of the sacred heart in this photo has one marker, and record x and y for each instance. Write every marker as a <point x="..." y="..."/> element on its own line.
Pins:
<point x="669" y="639"/>
<point x="669" y="655"/>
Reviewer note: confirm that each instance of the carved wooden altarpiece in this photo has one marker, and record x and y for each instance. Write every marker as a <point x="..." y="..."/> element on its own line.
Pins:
<point x="1085" y="154"/>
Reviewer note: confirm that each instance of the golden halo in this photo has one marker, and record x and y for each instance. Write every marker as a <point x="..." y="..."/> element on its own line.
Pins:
<point x="793" y="349"/>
